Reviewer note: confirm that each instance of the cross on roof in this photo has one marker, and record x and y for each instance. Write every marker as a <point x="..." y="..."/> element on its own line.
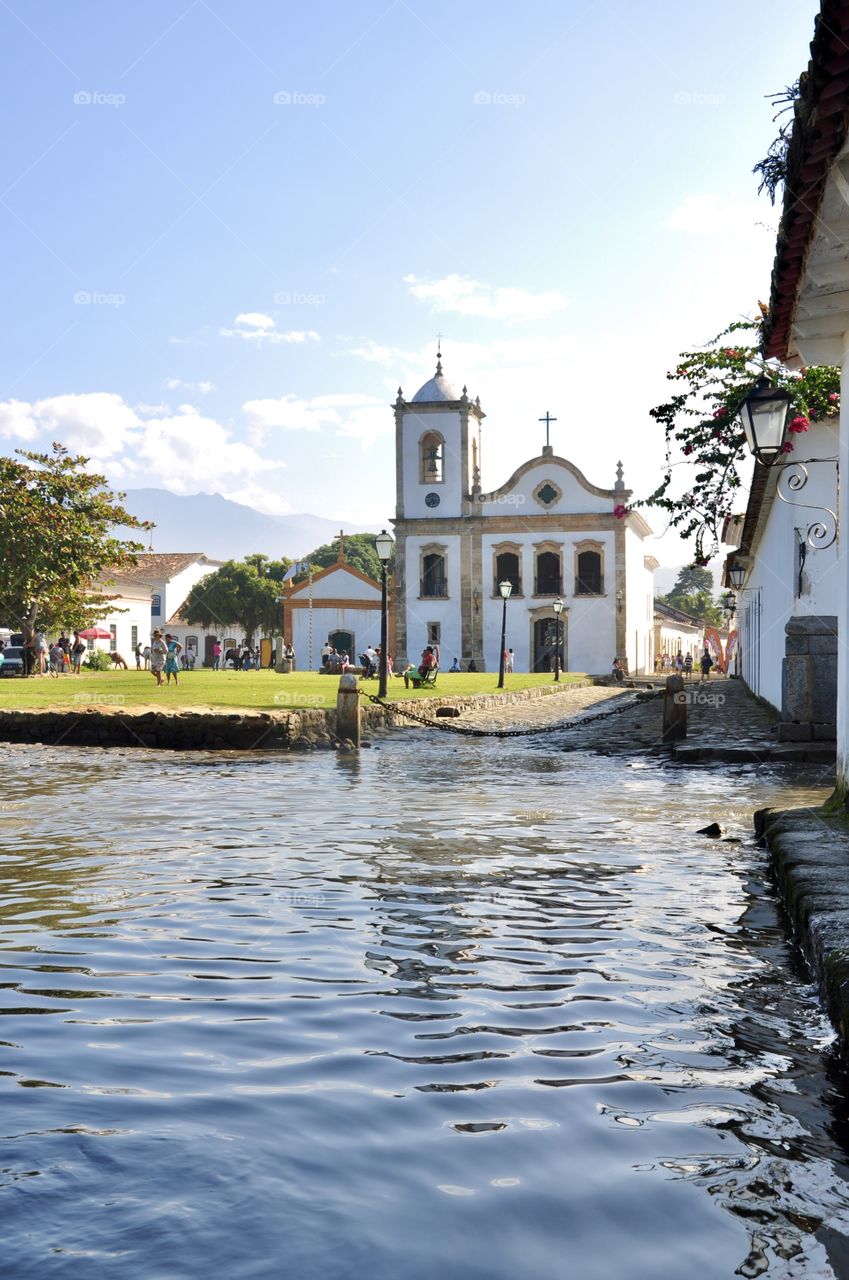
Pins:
<point x="547" y="420"/>
<point x="341" y="556"/>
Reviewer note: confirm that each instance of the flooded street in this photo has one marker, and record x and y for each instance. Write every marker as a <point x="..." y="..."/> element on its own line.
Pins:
<point x="466" y="1009"/>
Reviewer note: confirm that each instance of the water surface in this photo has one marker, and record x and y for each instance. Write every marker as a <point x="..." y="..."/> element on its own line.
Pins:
<point x="456" y="1008"/>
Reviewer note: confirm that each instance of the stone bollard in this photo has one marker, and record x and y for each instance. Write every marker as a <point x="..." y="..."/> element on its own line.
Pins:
<point x="674" y="710"/>
<point x="348" y="710"/>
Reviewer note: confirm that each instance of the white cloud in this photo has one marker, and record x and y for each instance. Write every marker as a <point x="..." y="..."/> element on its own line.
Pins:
<point x="254" y="320"/>
<point x="96" y="422"/>
<point x="352" y="414"/>
<point x="255" y="326"/>
<point x="16" y="420"/>
<point x="174" y="384"/>
<point x="468" y="297"/>
<point x="713" y="214"/>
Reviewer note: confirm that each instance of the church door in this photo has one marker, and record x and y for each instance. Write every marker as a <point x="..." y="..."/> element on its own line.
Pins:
<point x="545" y="644"/>
<point x="343" y="642"/>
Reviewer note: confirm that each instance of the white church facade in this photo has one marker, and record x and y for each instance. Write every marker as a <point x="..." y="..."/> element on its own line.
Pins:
<point x="548" y="531"/>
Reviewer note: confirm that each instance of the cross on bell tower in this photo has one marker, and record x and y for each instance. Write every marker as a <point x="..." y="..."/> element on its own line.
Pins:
<point x="548" y="421"/>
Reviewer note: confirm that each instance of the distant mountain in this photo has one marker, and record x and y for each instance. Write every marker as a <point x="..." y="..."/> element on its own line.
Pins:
<point x="228" y="530"/>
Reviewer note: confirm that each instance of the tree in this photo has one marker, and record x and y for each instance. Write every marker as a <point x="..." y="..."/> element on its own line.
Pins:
<point x="693" y="594"/>
<point x="55" y="540"/>
<point x="701" y="421"/>
<point x="360" y="553"/>
<point x="237" y="594"/>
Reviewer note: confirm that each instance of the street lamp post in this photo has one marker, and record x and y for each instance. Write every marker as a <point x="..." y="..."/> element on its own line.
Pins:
<point x="557" y="606"/>
<point x="384" y="545"/>
<point x="505" y="588"/>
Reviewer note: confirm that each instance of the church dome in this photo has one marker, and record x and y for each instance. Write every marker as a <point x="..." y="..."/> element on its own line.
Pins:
<point x="437" y="388"/>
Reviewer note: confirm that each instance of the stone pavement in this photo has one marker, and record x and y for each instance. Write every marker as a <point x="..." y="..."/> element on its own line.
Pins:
<point x="725" y="723"/>
<point x="544" y="713"/>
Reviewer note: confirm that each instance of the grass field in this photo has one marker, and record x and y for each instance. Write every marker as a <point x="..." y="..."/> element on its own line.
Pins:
<point x="258" y="689"/>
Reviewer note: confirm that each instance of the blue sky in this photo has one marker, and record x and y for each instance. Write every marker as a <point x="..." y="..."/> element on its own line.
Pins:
<point x="229" y="232"/>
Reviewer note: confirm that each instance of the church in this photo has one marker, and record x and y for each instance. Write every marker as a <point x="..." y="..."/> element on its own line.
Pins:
<point x="548" y="531"/>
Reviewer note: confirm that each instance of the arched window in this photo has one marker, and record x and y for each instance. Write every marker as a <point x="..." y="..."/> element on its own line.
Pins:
<point x="589" y="577"/>
<point x="431" y="458"/>
<point x="549" y="580"/>
<point x="508" y="568"/>
<point x="434" y="580"/>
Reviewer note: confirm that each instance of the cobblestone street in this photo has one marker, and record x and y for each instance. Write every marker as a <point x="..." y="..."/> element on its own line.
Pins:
<point x="724" y="722"/>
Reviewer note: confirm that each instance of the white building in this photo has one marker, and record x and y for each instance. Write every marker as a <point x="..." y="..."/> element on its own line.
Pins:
<point x="128" y="616"/>
<point x="676" y="632"/>
<point x="340" y="605"/>
<point x="168" y="578"/>
<point x="548" y="530"/>
<point x="791" y="583"/>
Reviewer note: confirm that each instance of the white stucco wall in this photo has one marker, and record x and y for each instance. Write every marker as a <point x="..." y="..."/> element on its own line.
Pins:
<point x="843" y="584"/>
<point x="415" y="425"/>
<point x="639" y="607"/>
<point x="519" y="498"/>
<point x="769" y="599"/>
<point x="364" y="624"/>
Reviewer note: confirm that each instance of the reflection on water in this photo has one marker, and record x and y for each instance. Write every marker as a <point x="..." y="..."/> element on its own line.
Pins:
<point x="454" y="1008"/>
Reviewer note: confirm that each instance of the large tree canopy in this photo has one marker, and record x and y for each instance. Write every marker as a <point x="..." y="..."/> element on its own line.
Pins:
<point x="55" y="540"/>
<point x="360" y="553"/>
<point x="240" y="593"/>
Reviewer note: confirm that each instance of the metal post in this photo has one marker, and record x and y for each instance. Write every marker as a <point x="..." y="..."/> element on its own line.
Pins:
<point x="503" y="641"/>
<point x="384" y="629"/>
<point x="557" y="647"/>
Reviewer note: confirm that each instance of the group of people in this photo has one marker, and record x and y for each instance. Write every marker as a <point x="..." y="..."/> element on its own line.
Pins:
<point x="337" y="662"/>
<point x="62" y="656"/>
<point x="683" y="664"/>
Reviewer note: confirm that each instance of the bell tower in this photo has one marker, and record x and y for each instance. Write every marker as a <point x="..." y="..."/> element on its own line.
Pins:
<point x="437" y="450"/>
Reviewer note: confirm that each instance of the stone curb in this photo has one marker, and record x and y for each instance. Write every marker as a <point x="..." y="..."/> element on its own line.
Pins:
<point x="810" y="855"/>
<point x="235" y="729"/>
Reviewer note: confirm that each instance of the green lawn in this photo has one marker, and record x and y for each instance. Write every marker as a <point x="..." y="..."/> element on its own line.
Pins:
<point x="260" y="689"/>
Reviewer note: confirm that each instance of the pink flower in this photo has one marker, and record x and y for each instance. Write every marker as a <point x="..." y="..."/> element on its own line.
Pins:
<point x="720" y="413"/>
<point x="787" y="446"/>
<point x="799" y="424"/>
<point x="832" y="395"/>
<point x="619" y="511"/>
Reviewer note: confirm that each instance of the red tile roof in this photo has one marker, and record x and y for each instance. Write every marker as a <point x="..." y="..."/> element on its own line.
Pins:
<point x="819" y="131"/>
<point x="153" y="566"/>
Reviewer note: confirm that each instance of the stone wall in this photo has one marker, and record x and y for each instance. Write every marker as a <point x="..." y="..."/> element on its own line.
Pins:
<point x="809" y="680"/>
<point x="216" y="729"/>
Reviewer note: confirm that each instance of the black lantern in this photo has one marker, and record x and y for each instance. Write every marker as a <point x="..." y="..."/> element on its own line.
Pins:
<point x="737" y="574"/>
<point x="763" y="415"/>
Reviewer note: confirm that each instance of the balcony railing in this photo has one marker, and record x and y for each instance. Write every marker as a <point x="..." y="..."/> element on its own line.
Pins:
<point x="433" y="590"/>
<point x="549" y="585"/>
<point x="589" y="587"/>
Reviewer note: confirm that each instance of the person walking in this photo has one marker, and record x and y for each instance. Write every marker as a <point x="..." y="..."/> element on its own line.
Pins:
<point x="173" y="650"/>
<point x="688" y="665"/>
<point x="138" y="655"/>
<point x="707" y="663"/>
<point x="158" y="654"/>
<point x="216" y="655"/>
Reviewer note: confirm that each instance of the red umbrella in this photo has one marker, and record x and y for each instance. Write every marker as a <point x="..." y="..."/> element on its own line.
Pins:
<point x="96" y="633"/>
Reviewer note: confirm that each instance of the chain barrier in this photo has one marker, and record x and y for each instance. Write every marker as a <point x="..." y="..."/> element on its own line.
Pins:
<point x="468" y="732"/>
